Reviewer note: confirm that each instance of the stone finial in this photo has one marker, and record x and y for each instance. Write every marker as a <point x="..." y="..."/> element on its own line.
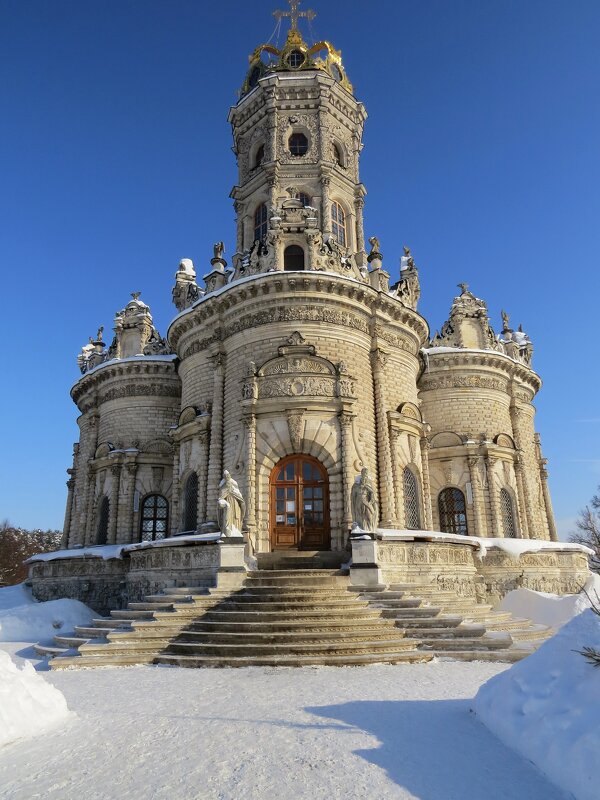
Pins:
<point x="186" y="291"/>
<point x="464" y="287"/>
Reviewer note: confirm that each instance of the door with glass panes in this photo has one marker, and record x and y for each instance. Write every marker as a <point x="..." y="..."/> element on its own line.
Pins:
<point x="300" y="505"/>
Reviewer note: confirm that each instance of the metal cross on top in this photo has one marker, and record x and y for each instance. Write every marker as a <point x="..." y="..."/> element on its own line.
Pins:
<point x="294" y="14"/>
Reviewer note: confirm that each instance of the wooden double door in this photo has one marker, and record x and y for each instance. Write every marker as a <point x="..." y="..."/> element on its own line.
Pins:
<point x="299" y="509"/>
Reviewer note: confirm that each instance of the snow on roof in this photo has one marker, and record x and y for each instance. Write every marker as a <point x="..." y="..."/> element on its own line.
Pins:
<point x="113" y="361"/>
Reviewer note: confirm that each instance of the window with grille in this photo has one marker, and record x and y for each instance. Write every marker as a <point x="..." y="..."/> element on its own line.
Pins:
<point x="411" y="500"/>
<point x="155" y="517"/>
<point x="190" y="503"/>
<point x="261" y="223"/>
<point x="304" y="198"/>
<point x="453" y="511"/>
<point x="508" y="515"/>
<point x="103" y="516"/>
<point x="298" y="144"/>
<point x="338" y="223"/>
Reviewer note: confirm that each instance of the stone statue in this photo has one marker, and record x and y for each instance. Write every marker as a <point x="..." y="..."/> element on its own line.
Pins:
<point x="231" y="507"/>
<point x="375" y="247"/>
<point x="505" y="320"/>
<point x="365" y="509"/>
<point x="218" y="249"/>
<point x="99" y="334"/>
<point x="463" y="287"/>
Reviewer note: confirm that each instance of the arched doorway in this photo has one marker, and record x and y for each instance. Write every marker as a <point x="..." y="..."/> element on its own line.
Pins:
<point x="293" y="258"/>
<point x="299" y="509"/>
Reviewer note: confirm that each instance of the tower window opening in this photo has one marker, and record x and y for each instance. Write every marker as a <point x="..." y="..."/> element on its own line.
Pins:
<point x="293" y="258"/>
<point x="190" y="503"/>
<point x="411" y="500"/>
<point x="155" y="516"/>
<point x="260" y="156"/>
<point x="295" y="59"/>
<point x="261" y="222"/>
<point x="103" y="516"/>
<point x="508" y="515"/>
<point x="298" y="144"/>
<point x="338" y="223"/>
<point x="254" y="77"/>
<point x="337" y="155"/>
<point x="303" y="198"/>
<point x="453" y="511"/>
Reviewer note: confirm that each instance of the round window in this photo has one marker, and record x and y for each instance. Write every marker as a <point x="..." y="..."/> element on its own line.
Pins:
<point x="298" y="144"/>
<point x="295" y="59"/>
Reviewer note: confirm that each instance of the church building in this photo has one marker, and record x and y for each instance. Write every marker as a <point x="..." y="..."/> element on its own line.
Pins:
<point x="301" y="363"/>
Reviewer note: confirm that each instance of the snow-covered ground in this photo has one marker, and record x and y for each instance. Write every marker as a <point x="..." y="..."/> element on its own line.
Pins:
<point x="24" y="619"/>
<point x="403" y="731"/>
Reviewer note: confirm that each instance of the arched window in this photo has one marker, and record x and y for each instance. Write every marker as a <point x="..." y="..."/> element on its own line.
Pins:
<point x="411" y="500"/>
<point x="259" y="156"/>
<point x="189" y="520"/>
<point x="453" y="511"/>
<point x="298" y="144"/>
<point x="293" y="257"/>
<point x="103" y="516"/>
<point x="261" y="223"/>
<point x="337" y="155"/>
<point x="155" y="517"/>
<point x="508" y="515"/>
<point x="338" y="223"/>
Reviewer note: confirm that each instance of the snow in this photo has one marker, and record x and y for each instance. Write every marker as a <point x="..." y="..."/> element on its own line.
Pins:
<point x="514" y="547"/>
<point x="113" y="361"/>
<point x="429" y="351"/>
<point x="29" y="705"/>
<point x="108" y="551"/>
<point x="547" y="707"/>
<point x="24" y="619"/>
<point x="552" y="610"/>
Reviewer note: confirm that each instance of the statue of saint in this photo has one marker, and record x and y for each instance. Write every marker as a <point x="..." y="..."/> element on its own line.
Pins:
<point x="365" y="508"/>
<point x="375" y="247"/>
<point x="218" y="249"/>
<point x="505" y="320"/>
<point x="231" y="507"/>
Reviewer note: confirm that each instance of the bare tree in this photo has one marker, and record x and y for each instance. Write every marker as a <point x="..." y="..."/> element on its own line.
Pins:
<point x="588" y="530"/>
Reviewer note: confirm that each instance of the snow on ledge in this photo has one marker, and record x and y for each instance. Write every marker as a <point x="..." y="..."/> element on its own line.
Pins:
<point x="513" y="547"/>
<point x="113" y="361"/>
<point x="109" y="551"/>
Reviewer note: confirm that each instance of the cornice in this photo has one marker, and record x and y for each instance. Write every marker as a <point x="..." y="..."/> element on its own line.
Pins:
<point x="128" y="368"/>
<point x="439" y="363"/>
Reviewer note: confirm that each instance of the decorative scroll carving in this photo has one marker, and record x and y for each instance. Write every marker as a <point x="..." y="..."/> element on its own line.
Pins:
<point x="463" y="382"/>
<point x="298" y="387"/>
<point x="295" y="421"/>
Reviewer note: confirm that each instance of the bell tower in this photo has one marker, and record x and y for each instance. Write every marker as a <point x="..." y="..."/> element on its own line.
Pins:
<point x="297" y="132"/>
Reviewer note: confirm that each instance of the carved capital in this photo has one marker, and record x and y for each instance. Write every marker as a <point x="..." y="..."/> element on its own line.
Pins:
<point x="345" y="418"/>
<point x="115" y="470"/>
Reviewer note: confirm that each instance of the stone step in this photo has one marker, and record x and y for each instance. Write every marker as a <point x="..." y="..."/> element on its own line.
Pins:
<point x="508" y="656"/>
<point x="301" y="573"/>
<point x="158" y="605"/>
<point x="89" y="632"/>
<point x="475" y="643"/>
<point x="535" y="633"/>
<point x="410" y="613"/>
<point x="301" y="649"/>
<point x="297" y="581"/>
<point x="285" y="616"/>
<point x="183" y="590"/>
<point x="293" y="638"/>
<point x="460" y="632"/>
<point x="172" y="599"/>
<point x="293" y="625"/>
<point x="70" y="641"/>
<point x="51" y="650"/>
<point x="313" y="605"/>
<point x="295" y="595"/>
<point x="107" y="660"/>
<point x="347" y="660"/>
<point x="130" y="646"/>
<point x="439" y="621"/>
<point x="129" y="614"/>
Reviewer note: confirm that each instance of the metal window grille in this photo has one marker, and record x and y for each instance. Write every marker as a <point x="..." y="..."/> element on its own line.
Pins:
<point x="261" y="223"/>
<point x="411" y="500"/>
<point x="508" y="515"/>
<point x="155" y="517"/>
<point x="190" y="503"/>
<point x="103" y="516"/>
<point x="338" y="223"/>
<point x="298" y="144"/>
<point x="453" y="511"/>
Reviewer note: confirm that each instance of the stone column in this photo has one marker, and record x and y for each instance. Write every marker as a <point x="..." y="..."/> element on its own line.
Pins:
<point x="64" y="542"/>
<point x="215" y="459"/>
<point x="249" y="421"/>
<point x="425" y="446"/>
<point x="523" y="520"/>
<point x="548" y="504"/>
<point x="175" y="491"/>
<point x="202" y="472"/>
<point x="90" y="499"/>
<point x="346" y="421"/>
<point x="387" y="510"/>
<point x="125" y="532"/>
<point x="478" y="496"/>
<point x="239" y="216"/>
<point x="325" y="206"/>
<point x="360" y="231"/>
<point x="397" y="479"/>
<point x="114" y="503"/>
<point x="497" y="527"/>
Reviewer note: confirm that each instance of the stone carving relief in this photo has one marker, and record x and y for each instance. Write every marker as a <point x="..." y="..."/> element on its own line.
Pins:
<point x="295" y="421"/>
<point x="463" y="382"/>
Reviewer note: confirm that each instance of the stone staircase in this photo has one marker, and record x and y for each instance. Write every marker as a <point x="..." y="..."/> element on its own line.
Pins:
<point x="296" y="617"/>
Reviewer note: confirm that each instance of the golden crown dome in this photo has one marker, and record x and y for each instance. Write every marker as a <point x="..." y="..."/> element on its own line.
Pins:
<point x="295" y="55"/>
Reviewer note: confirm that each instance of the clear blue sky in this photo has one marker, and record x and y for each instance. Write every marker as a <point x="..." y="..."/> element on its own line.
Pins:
<point x="481" y="153"/>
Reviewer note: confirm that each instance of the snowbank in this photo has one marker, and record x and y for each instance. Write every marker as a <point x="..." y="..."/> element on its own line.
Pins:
<point x="107" y="551"/>
<point x="547" y="707"/>
<point x="550" y="609"/>
<point x="23" y="619"/>
<point x="28" y="704"/>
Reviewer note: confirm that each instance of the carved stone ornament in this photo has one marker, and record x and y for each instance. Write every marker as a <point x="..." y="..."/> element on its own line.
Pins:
<point x="295" y="421"/>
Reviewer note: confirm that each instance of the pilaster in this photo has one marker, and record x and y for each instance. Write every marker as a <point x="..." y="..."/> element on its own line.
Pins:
<point x="384" y="460"/>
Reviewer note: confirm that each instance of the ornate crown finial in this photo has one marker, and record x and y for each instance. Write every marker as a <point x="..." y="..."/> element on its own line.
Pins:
<point x="135" y="295"/>
<point x="294" y="14"/>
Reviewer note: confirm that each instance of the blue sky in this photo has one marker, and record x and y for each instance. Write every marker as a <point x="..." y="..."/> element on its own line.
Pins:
<point x="481" y="153"/>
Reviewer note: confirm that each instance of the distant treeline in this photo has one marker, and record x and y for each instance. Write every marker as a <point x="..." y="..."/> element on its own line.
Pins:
<point x="18" y="544"/>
